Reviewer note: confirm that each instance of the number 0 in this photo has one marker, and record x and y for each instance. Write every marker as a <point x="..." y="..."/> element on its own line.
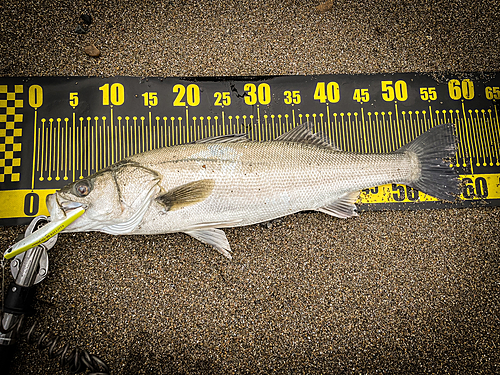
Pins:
<point x="193" y="95"/>
<point x="31" y="203"/>
<point x="35" y="96"/>
<point x="264" y="93"/>
<point x="401" y="90"/>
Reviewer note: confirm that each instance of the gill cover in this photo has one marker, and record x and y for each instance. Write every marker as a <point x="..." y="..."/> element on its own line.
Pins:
<point x="116" y="198"/>
<point x="137" y="186"/>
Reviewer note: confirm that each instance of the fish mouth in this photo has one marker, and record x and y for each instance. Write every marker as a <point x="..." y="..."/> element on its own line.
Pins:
<point x="70" y="205"/>
<point x="58" y="209"/>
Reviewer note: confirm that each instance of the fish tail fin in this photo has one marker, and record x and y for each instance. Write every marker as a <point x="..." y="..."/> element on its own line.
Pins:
<point x="435" y="150"/>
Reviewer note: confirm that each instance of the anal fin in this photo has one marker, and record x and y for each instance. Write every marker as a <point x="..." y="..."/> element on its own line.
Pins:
<point x="343" y="207"/>
<point x="214" y="237"/>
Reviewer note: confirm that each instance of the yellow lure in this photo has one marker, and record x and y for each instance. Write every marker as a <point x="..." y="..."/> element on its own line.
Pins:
<point x="43" y="234"/>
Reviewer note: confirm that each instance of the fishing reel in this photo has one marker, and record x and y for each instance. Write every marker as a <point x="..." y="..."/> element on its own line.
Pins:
<point x="29" y="268"/>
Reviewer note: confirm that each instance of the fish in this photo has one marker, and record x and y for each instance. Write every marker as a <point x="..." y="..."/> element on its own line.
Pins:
<point x="214" y="183"/>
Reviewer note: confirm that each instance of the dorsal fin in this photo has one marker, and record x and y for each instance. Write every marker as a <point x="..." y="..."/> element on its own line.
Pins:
<point x="231" y="138"/>
<point x="303" y="134"/>
<point x="327" y="140"/>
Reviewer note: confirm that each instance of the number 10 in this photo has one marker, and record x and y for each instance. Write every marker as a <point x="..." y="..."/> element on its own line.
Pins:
<point x="114" y="94"/>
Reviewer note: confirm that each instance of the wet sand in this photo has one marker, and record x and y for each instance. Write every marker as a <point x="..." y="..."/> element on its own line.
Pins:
<point x="386" y="292"/>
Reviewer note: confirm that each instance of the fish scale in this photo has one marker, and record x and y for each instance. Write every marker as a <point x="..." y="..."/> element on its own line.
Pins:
<point x="263" y="181"/>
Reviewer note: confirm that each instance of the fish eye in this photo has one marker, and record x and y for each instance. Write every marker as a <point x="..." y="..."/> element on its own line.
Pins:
<point x="82" y="188"/>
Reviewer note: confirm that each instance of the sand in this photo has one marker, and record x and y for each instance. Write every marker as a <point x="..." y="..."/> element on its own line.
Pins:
<point x="386" y="292"/>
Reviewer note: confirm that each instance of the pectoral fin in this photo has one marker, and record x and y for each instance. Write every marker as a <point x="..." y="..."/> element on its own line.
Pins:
<point x="343" y="207"/>
<point x="186" y="195"/>
<point x="215" y="237"/>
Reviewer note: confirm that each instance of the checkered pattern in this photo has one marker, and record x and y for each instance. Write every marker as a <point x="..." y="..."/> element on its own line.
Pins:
<point x="10" y="141"/>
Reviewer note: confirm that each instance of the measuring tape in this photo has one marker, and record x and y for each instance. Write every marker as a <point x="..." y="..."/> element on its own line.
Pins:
<point x="55" y="130"/>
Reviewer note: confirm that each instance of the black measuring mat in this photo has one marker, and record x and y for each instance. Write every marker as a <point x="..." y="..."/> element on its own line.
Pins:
<point x="54" y="130"/>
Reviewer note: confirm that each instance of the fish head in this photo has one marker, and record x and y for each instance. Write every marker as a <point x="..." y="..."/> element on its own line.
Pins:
<point x="115" y="199"/>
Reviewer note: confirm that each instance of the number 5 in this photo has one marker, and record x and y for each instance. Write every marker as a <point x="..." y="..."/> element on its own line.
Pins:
<point x="387" y="91"/>
<point x="73" y="99"/>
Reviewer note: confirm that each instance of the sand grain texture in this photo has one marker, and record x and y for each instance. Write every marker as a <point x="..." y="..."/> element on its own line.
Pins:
<point x="387" y="292"/>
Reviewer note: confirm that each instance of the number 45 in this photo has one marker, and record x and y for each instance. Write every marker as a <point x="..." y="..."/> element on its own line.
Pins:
<point x="428" y="93"/>
<point x="361" y="95"/>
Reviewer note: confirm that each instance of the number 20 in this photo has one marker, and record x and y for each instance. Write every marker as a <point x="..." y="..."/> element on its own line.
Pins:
<point x="192" y="93"/>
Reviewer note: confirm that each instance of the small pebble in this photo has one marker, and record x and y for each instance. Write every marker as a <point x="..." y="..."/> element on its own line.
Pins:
<point x="325" y="7"/>
<point x="91" y="50"/>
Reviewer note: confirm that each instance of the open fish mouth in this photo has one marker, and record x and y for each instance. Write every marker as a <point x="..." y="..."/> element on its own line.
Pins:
<point x="70" y="205"/>
<point x="57" y="209"/>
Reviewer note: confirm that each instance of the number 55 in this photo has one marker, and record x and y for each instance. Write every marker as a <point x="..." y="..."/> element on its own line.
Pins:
<point x="428" y="93"/>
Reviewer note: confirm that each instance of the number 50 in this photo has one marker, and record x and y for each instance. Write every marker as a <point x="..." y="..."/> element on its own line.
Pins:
<point x="397" y="90"/>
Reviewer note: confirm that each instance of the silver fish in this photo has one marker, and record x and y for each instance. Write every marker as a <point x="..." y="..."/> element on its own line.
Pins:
<point x="229" y="181"/>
